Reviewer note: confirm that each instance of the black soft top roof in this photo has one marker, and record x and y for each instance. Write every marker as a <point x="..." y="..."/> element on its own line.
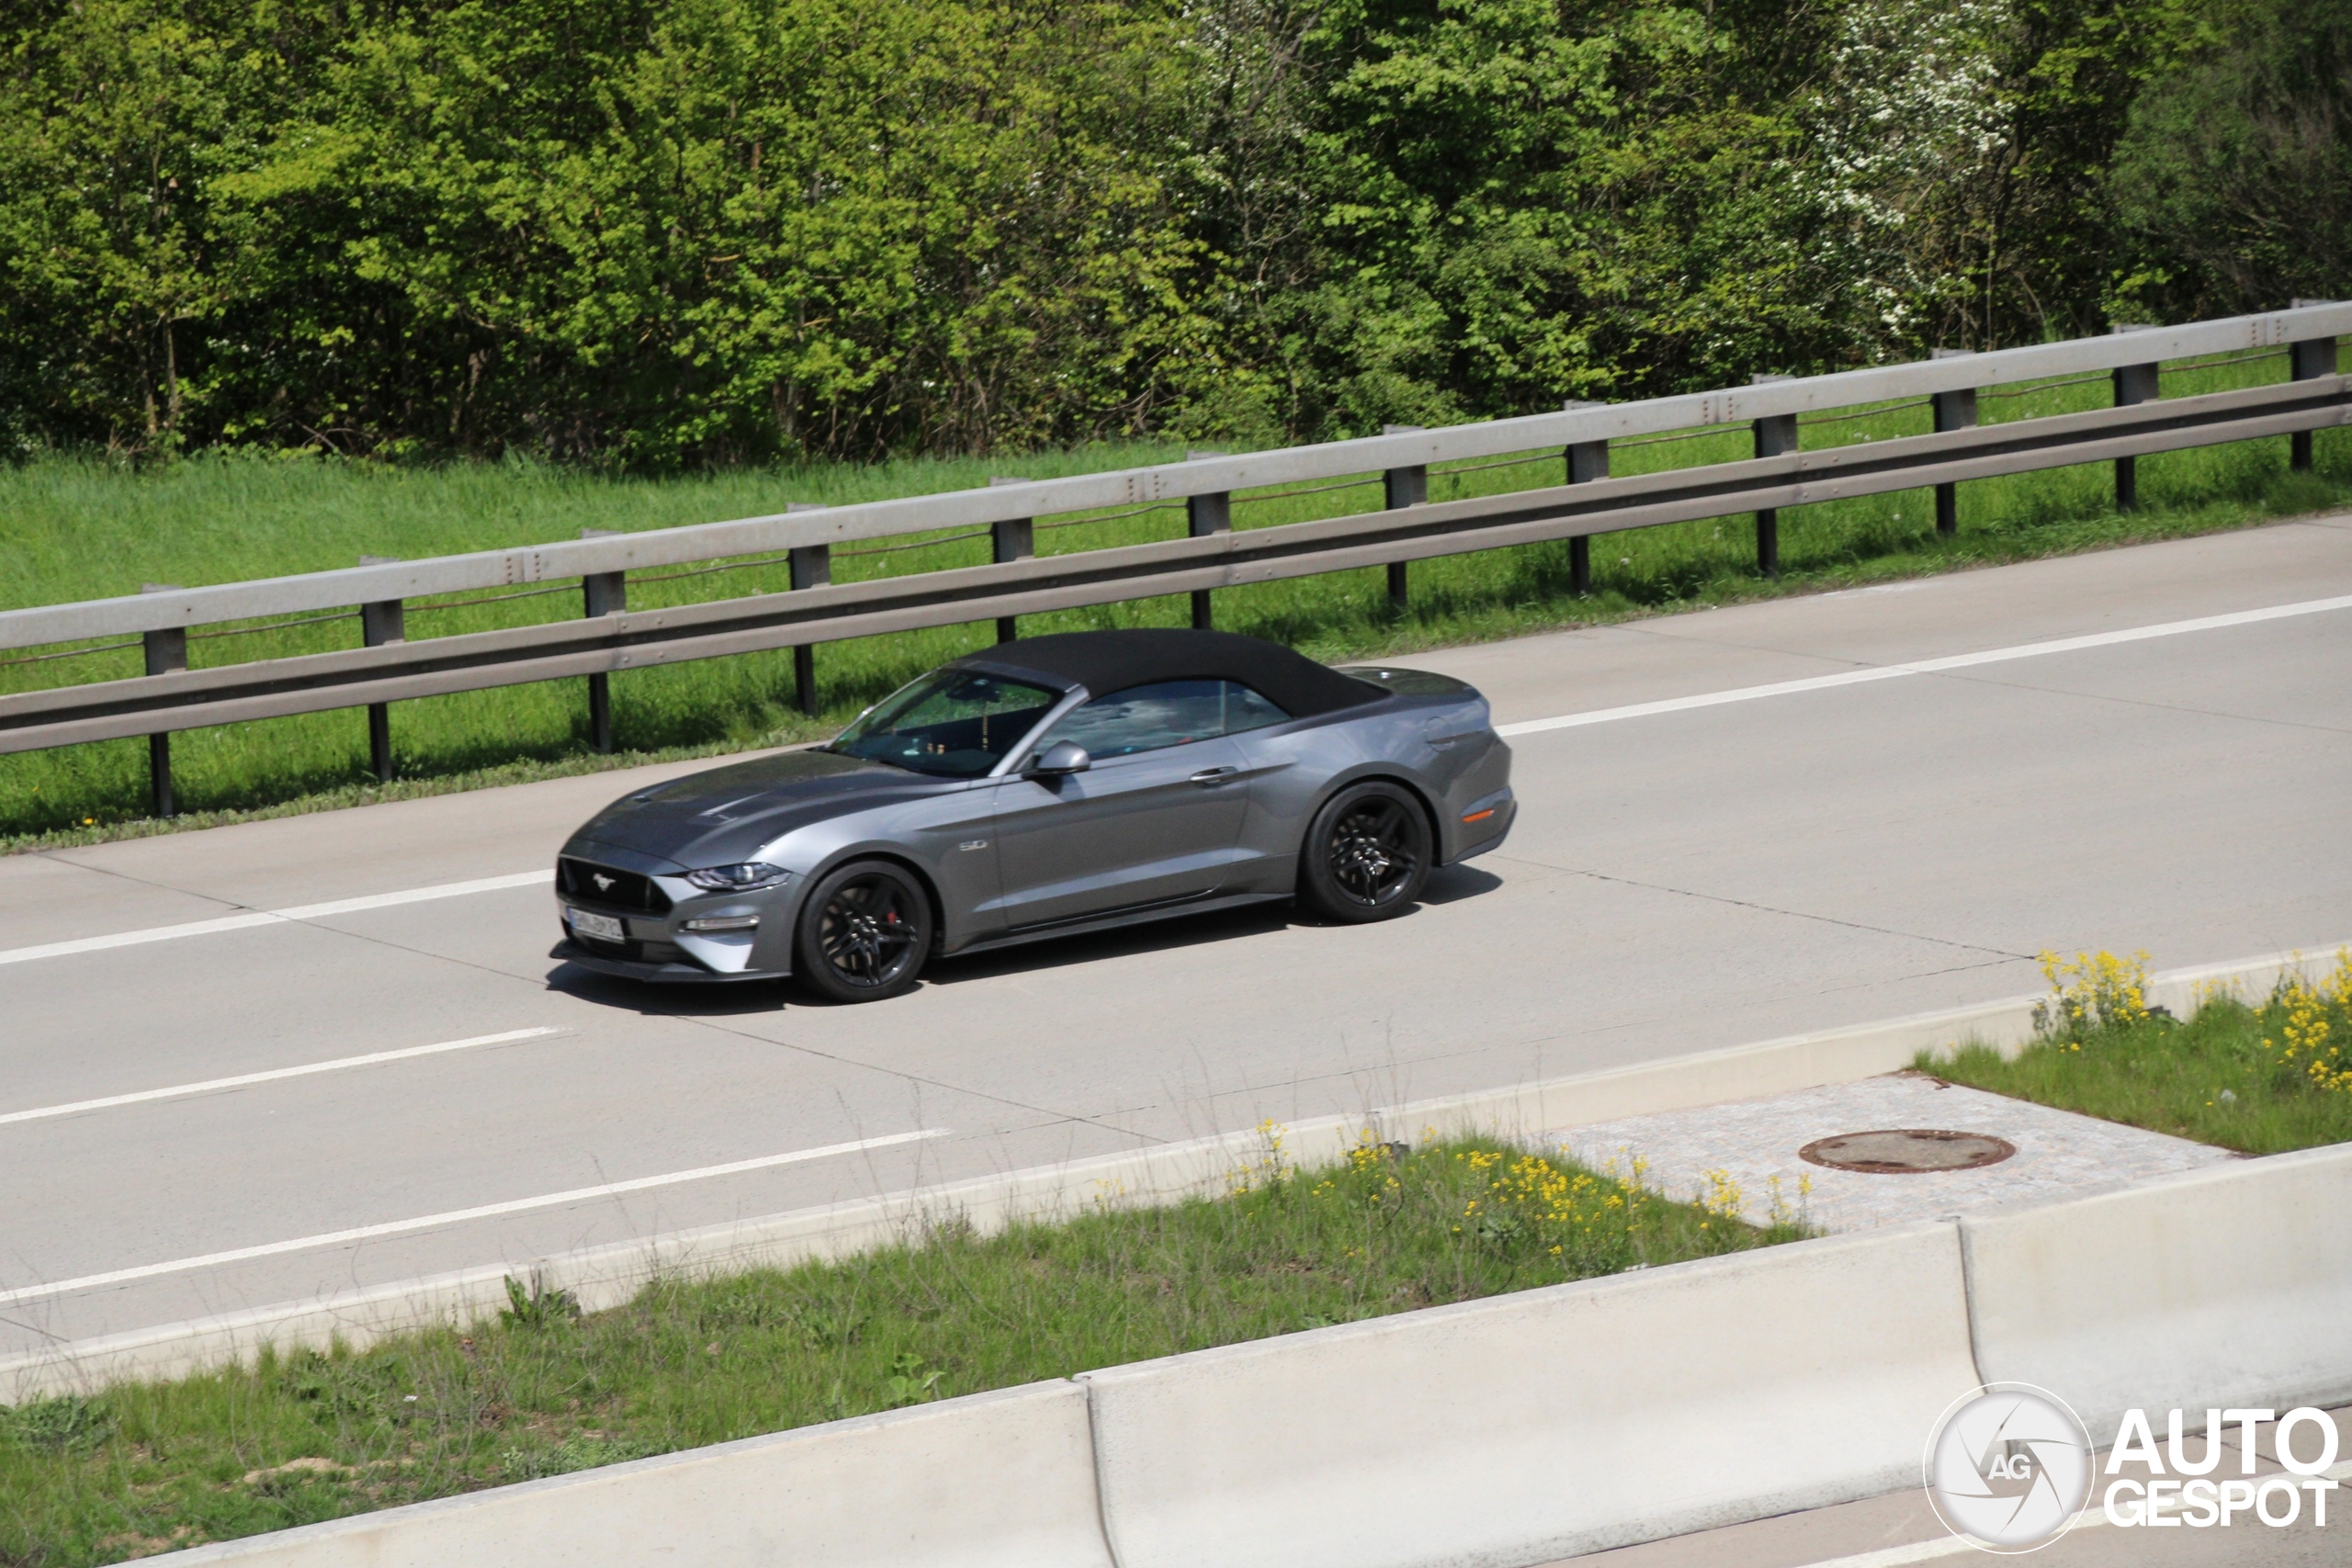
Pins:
<point x="1104" y="662"/>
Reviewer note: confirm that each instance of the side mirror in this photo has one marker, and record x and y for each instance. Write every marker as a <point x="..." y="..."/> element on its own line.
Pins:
<point x="1059" y="760"/>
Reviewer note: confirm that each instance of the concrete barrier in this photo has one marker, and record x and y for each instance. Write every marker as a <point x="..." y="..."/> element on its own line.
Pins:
<point x="999" y="1480"/>
<point x="1537" y="1425"/>
<point x="2223" y="1288"/>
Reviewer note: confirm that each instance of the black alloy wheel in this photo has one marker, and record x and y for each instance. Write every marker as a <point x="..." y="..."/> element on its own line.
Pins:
<point x="1368" y="854"/>
<point x="864" y="932"/>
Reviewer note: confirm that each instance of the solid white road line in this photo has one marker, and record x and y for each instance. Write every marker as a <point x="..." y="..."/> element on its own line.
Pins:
<point x="277" y="917"/>
<point x="1929" y="666"/>
<point x="1529" y="726"/>
<point x="1952" y="1545"/>
<point x="338" y="1065"/>
<point x="458" y="1216"/>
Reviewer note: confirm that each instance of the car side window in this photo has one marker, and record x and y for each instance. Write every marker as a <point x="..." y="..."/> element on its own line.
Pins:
<point x="1144" y="718"/>
<point x="1246" y="709"/>
<point x="1163" y="714"/>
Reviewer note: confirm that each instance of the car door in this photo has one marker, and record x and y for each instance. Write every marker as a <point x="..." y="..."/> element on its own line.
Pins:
<point x="1154" y="819"/>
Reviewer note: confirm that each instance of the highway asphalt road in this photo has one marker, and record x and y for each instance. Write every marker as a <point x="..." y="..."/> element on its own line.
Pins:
<point x="1679" y="880"/>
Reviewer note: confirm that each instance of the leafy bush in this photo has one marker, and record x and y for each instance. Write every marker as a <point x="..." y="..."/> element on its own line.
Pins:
<point x="664" y="233"/>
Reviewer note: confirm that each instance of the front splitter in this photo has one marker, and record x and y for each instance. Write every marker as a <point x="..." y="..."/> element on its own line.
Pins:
<point x="656" y="974"/>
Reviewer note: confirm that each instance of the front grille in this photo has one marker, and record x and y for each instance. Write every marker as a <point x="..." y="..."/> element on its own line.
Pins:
<point x="611" y="887"/>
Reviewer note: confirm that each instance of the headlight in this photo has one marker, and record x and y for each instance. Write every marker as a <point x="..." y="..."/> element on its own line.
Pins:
<point x="739" y="878"/>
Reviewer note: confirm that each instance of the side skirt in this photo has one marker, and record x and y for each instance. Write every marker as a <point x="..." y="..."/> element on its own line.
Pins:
<point x="1132" y="917"/>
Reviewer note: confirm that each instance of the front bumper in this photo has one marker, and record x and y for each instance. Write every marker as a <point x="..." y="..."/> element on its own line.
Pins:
<point x="659" y="971"/>
<point x="656" y="939"/>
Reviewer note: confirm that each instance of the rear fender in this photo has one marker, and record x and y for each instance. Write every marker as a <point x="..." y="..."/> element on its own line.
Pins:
<point x="1377" y="773"/>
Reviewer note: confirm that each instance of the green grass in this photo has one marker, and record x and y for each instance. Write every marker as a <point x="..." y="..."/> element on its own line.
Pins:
<point x="690" y="1362"/>
<point x="74" y="528"/>
<point x="2225" y="1075"/>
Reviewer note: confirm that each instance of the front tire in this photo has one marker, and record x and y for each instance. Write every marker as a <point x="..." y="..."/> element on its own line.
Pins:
<point x="1367" y="854"/>
<point x="864" y="933"/>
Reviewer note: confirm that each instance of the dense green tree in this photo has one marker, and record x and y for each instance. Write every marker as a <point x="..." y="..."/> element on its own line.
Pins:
<point x="1520" y="203"/>
<point x="664" y="233"/>
<point x="2235" y="178"/>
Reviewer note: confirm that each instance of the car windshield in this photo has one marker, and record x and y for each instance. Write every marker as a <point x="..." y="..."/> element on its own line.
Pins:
<point x="958" y="723"/>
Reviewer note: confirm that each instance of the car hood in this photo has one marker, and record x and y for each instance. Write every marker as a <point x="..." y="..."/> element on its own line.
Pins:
<point x="711" y="818"/>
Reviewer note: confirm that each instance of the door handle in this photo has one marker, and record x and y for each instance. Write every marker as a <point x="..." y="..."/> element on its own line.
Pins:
<point x="1214" y="775"/>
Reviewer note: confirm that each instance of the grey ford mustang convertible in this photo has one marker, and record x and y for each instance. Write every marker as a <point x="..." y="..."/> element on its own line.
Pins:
<point x="1049" y="786"/>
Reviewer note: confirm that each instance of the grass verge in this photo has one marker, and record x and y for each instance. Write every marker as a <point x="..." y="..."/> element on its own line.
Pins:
<point x="2261" y="1078"/>
<point x="72" y="528"/>
<point x="544" y="1390"/>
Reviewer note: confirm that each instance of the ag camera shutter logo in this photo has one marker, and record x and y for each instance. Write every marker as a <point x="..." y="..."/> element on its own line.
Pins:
<point x="2008" y="1467"/>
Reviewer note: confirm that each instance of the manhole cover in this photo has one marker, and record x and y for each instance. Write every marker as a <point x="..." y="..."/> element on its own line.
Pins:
<point x="1902" y="1150"/>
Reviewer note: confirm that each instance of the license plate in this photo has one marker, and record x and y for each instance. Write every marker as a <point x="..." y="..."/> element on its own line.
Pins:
<point x="603" y="927"/>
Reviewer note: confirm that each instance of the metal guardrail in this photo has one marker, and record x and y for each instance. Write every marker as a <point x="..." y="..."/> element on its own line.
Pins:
<point x="610" y="638"/>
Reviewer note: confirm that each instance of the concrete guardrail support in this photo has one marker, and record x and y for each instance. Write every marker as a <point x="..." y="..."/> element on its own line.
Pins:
<point x="1203" y="515"/>
<point x="1408" y="486"/>
<point x="1013" y="539"/>
<point x="2306" y="361"/>
<point x="2133" y="384"/>
<point x="1001" y="1480"/>
<point x="2222" y="1287"/>
<point x="1544" y="1424"/>
<point x="1587" y="461"/>
<point x="165" y="651"/>
<point x="380" y="623"/>
<point x="602" y="593"/>
<point x="1952" y="411"/>
<point x="1775" y="435"/>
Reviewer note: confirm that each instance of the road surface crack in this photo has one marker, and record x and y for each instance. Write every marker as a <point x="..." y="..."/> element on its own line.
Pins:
<point x="1768" y="908"/>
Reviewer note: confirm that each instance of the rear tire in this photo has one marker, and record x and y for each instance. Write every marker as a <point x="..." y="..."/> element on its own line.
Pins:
<point x="1367" y="854"/>
<point x="864" y="933"/>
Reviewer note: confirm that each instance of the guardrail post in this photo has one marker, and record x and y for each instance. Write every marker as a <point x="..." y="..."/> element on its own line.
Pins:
<point x="1955" y="409"/>
<point x="1408" y="486"/>
<point x="1587" y="461"/>
<point x="812" y="567"/>
<point x="2306" y="361"/>
<point x="602" y="593"/>
<point x="1206" y="514"/>
<point x="1015" y="538"/>
<point x="167" y="651"/>
<point x="380" y="623"/>
<point x="2133" y="384"/>
<point x="1775" y="433"/>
